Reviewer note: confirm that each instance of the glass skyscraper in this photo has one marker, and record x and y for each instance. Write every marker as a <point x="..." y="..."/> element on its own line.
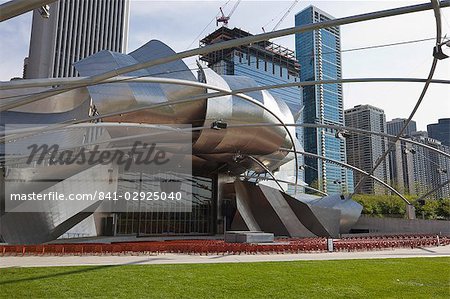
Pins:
<point x="265" y="62"/>
<point x="319" y="55"/>
<point x="440" y="131"/>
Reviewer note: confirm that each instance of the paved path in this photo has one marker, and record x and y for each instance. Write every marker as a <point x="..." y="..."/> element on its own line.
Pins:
<point x="44" y="261"/>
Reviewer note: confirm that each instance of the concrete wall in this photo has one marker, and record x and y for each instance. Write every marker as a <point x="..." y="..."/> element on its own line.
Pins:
<point x="376" y="225"/>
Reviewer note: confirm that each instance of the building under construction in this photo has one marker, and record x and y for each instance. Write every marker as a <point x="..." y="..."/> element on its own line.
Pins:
<point x="263" y="55"/>
<point x="267" y="63"/>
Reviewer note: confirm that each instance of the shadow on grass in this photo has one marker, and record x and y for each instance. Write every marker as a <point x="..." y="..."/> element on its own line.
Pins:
<point x="82" y="270"/>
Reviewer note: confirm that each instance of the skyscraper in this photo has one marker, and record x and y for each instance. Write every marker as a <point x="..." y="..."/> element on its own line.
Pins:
<point x="431" y="169"/>
<point x="440" y="131"/>
<point x="75" y="29"/>
<point x="401" y="167"/>
<point x="415" y="169"/>
<point x="267" y="63"/>
<point x="319" y="54"/>
<point x="394" y="126"/>
<point x="364" y="150"/>
<point x="401" y="162"/>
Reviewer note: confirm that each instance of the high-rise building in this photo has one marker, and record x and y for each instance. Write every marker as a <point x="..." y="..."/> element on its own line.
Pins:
<point x="75" y="29"/>
<point x="401" y="163"/>
<point x="415" y="169"/>
<point x="265" y="62"/>
<point x="319" y="54"/>
<point x="431" y="169"/>
<point x="364" y="150"/>
<point x="394" y="126"/>
<point x="440" y="131"/>
<point x="401" y="167"/>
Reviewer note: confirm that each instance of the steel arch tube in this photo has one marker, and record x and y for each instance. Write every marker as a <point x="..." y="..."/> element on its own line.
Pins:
<point x="29" y="83"/>
<point x="283" y="181"/>
<point x="236" y="92"/>
<point x="15" y="8"/>
<point x="229" y="44"/>
<point x="197" y="84"/>
<point x="267" y="125"/>
<point x="299" y="152"/>
<point x="52" y="81"/>
<point x="282" y="149"/>
<point x="361" y="131"/>
<point x="267" y="170"/>
<point x="352" y="168"/>
<point x="437" y="15"/>
<point x="356" y="130"/>
<point x="434" y="190"/>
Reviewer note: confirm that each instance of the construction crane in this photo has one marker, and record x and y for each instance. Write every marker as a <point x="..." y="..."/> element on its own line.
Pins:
<point x="283" y="17"/>
<point x="224" y="19"/>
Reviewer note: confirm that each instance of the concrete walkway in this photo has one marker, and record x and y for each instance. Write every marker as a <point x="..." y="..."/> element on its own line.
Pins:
<point x="169" y="258"/>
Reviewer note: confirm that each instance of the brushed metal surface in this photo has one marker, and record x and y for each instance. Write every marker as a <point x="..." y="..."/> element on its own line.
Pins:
<point x="39" y="227"/>
<point x="243" y="208"/>
<point x="350" y="210"/>
<point x="60" y="103"/>
<point x="259" y="207"/>
<point x="290" y="220"/>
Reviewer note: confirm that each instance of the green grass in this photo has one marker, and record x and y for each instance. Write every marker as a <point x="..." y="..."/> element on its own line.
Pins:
<point x="381" y="278"/>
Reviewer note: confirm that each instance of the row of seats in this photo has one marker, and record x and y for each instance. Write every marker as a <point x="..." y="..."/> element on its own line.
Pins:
<point x="286" y="245"/>
<point x="388" y="243"/>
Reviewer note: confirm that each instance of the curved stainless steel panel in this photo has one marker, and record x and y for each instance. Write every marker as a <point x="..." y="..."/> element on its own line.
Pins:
<point x="192" y="112"/>
<point x="113" y="97"/>
<point x="211" y="148"/>
<point x="350" y="209"/>
<point x="219" y="108"/>
<point x="36" y="117"/>
<point x="156" y="49"/>
<point x="261" y="142"/>
<point x="61" y="103"/>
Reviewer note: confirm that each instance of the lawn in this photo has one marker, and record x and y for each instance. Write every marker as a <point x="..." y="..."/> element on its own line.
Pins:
<point x="392" y="278"/>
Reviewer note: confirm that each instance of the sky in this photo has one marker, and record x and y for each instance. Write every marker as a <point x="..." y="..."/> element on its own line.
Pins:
<point x="179" y="24"/>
